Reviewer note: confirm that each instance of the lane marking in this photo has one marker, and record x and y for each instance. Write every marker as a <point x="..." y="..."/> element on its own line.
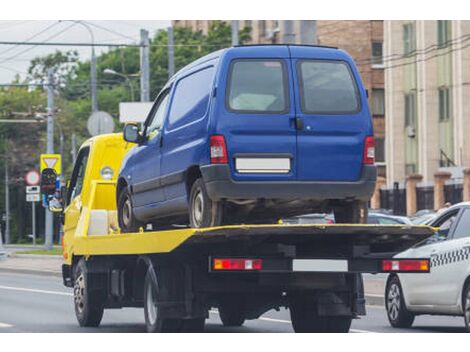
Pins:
<point x="35" y="290"/>
<point x="289" y="322"/>
<point x="5" y="325"/>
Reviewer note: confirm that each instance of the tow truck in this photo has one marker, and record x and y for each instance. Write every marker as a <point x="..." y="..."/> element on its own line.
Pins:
<point x="179" y="275"/>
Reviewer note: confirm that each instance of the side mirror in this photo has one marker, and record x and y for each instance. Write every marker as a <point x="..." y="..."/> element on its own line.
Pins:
<point x="132" y="133"/>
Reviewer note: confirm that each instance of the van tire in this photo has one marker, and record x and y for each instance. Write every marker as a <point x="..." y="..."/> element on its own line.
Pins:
<point x="89" y="305"/>
<point x="126" y="219"/>
<point x="203" y="212"/>
<point x="354" y="212"/>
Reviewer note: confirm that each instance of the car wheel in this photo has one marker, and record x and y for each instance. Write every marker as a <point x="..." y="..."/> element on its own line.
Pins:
<point x="126" y="219"/>
<point x="89" y="307"/>
<point x="153" y="319"/>
<point x="398" y="315"/>
<point x="203" y="212"/>
<point x="466" y="307"/>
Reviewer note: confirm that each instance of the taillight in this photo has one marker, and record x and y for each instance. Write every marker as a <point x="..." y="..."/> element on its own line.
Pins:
<point x="237" y="264"/>
<point x="405" y="265"/>
<point x="369" y="150"/>
<point x="218" y="150"/>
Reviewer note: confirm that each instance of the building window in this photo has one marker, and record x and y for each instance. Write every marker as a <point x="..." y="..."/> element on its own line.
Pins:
<point x="409" y="38"/>
<point x="262" y="28"/>
<point x="410" y="110"/>
<point x="444" y="104"/>
<point x="377" y="54"/>
<point x="443" y="33"/>
<point x="378" y="102"/>
<point x="379" y="149"/>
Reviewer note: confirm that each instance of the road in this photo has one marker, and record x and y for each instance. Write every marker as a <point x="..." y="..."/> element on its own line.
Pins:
<point x="33" y="303"/>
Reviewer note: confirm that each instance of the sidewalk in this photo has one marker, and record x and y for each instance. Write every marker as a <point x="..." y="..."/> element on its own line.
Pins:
<point x="374" y="285"/>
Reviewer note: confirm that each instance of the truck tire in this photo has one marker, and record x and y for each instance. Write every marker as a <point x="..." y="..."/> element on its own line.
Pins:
<point x="305" y="319"/>
<point x="89" y="305"/>
<point x="193" y="325"/>
<point x="126" y="219"/>
<point x="153" y="320"/>
<point x="203" y="212"/>
<point x="231" y="316"/>
<point x="398" y="315"/>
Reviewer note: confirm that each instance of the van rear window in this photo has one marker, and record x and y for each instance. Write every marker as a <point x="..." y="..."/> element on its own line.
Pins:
<point x="327" y="87"/>
<point x="257" y="86"/>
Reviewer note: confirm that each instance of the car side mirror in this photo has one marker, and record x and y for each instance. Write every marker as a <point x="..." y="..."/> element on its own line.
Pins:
<point x="132" y="133"/>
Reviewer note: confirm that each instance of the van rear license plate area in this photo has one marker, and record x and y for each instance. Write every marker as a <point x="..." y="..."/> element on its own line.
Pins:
<point x="262" y="165"/>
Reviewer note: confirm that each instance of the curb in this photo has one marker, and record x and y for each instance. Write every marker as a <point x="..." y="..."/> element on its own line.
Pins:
<point x="375" y="300"/>
<point x="31" y="272"/>
<point x="35" y="256"/>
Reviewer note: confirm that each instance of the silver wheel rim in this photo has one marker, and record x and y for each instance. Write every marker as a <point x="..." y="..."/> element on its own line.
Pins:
<point x="467" y="309"/>
<point x="151" y="305"/>
<point x="126" y="212"/>
<point x="393" y="301"/>
<point x="79" y="292"/>
<point x="198" y="208"/>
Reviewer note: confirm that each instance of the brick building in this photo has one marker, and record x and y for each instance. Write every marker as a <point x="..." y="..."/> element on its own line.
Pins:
<point x="362" y="39"/>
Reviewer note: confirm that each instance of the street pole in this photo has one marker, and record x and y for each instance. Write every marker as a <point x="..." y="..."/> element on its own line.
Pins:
<point x="288" y="32"/>
<point x="144" y="66"/>
<point x="308" y="32"/>
<point x="234" y="32"/>
<point x="49" y="227"/>
<point x="73" y="150"/>
<point x="171" y="53"/>
<point x="94" y="98"/>
<point x="7" y="204"/>
<point x="33" y="215"/>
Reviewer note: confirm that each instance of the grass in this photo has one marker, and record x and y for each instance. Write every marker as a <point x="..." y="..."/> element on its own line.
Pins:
<point x="54" y="251"/>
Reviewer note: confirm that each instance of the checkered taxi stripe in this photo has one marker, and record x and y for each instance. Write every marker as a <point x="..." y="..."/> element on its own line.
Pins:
<point x="450" y="257"/>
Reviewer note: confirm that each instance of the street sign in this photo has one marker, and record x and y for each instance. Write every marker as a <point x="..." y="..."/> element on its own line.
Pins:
<point x="33" y="189"/>
<point x="51" y="161"/>
<point x="100" y="122"/>
<point x="32" y="178"/>
<point x="33" y="197"/>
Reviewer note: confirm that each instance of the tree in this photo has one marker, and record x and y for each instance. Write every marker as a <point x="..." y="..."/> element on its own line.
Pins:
<point x="63" y="64"/>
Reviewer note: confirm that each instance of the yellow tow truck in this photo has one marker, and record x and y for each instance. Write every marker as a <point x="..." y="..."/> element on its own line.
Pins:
<point x="178" y="275"/>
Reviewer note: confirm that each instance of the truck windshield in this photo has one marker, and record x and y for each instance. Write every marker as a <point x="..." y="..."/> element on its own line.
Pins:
<point x="327" y="87"/>
<point x="257" y="86"/>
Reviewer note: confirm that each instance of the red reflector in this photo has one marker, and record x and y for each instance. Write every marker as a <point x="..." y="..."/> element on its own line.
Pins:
<point x="405" y="265"/>
<point x="369" y="150"/>
<point x="218" y="150"/>
<point x="237" y="264"/>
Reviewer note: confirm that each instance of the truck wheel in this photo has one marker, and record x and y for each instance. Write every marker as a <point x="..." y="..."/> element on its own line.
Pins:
<point x="153" y="320"/>
<point x="126" y="219"/>
<point x="89" y="307"/>
<point x="466" y="306"/>
<point x="231" y="316"/>
<point x="194" y="325"/>
<point x="203" y="212"/>
<point x="398" y="315"/>
<point x="305" y="319"/>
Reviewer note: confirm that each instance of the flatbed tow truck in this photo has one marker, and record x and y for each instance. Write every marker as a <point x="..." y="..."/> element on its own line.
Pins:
<point x="178" y="275"/>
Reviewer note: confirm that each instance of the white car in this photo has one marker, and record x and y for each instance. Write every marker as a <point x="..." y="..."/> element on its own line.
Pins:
<point x="446" y="289"/>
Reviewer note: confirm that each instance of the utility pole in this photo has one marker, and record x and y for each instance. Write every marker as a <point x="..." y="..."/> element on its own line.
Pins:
<point x="144" y="66"/>
<point x="234" y="33"/>
<point x="7" y="204"/>
<point x="171" y="53"/>
<point x="94" y="98"/>
<point x="73" y="150"/>
<point x="288" y="32"/>
<point x="308" y="32"/>
<point x="49" y="228"/>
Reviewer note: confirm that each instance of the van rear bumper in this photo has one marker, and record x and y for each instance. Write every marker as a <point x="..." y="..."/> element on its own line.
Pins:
<point x="219" y="185"/>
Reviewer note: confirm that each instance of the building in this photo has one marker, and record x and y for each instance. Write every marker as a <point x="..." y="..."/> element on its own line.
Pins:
<point x="427" y="85"/>
<point x="362" y="39"/>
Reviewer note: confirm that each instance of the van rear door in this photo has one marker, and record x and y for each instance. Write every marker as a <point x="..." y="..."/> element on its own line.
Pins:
<point x="332" y="114"/>
<point x="256" y="118"/>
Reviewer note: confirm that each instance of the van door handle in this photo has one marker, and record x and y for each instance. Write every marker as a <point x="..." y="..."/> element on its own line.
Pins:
<point x="299" y="123"/>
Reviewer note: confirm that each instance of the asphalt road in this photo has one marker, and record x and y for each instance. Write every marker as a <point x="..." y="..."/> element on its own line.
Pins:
<point x="30" y="303"/>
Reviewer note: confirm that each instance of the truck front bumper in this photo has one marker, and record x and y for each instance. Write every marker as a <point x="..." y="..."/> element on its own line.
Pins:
<point x="220" y="185"/>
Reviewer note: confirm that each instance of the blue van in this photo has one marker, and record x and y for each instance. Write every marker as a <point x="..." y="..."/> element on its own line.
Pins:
<point x="251" y="134"/>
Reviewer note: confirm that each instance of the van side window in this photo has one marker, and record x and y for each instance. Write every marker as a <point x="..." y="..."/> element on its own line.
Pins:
<point x="78" y="174"/>
<point x="191" y="97"/>
<point x="156" y="121"/>
<point x="327" y="87"/>
<point x="257" y="86"/>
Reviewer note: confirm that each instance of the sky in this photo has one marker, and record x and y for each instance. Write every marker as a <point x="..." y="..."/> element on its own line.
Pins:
<point x="15" y="59"/>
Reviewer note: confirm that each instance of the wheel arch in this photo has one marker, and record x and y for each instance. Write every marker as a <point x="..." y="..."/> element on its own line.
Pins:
<point x="121" y="183"/>
<point x="191" y="175"/>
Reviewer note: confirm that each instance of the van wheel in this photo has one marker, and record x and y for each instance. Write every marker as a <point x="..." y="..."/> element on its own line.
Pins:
<point x="126" y="219"/>
<point x="398" y="315"/>
<point x="351" y="213"/>
<point x="153" y="319"/>
<point x="89" y="307"/>
<point x="203" y="212"/>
